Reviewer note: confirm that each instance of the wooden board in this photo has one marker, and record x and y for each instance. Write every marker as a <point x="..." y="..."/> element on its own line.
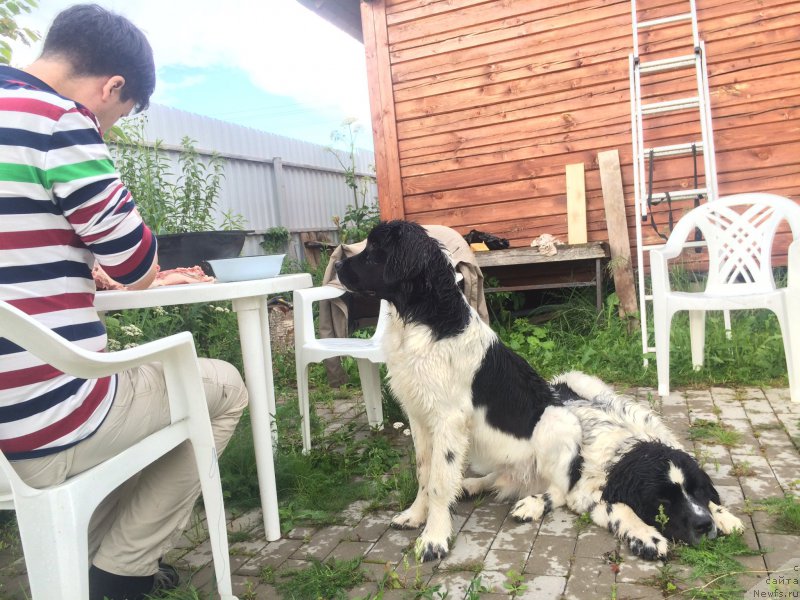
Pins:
<point x="382" y="109"/>
<point x="576" y="205"/>
<point x="618" y="240"/>
<point x="531" y="256"/>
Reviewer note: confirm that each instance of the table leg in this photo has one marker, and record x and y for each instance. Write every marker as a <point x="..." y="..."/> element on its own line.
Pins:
<point x="252" y="336"/>
<point x="598" y="279"/>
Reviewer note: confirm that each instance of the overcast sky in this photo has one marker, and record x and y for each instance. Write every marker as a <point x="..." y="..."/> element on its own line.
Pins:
<point x="270" y="64"/>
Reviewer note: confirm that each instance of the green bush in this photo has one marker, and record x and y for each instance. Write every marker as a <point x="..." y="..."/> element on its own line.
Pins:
<point x="168" y="202"/>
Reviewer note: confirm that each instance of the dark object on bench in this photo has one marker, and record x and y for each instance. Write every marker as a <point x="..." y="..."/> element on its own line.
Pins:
<point x="492" y="241"/>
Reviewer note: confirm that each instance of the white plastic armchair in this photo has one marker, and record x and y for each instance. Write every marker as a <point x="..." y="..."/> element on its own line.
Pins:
<point x="739" y="231"/>
<point x="53" y="522"/>
<point x="308" y="349"/>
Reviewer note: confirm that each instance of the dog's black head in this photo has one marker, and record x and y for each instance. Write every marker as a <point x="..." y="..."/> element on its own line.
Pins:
<point x="401" y="263"/>
<point x="667" y="489"/>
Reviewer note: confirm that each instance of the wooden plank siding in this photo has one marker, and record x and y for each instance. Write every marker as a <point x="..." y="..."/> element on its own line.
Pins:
<point x="492" y="99"/>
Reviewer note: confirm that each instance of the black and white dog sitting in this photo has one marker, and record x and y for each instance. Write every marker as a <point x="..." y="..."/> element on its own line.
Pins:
<point x="472" y="401"/>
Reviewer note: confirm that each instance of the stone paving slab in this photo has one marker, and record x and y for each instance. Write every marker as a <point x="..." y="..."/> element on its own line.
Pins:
<point x="560" y="558"/>
<point x="551" y="555"/>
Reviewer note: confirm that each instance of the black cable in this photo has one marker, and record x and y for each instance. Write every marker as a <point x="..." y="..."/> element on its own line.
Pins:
<point x="650" y="202"/>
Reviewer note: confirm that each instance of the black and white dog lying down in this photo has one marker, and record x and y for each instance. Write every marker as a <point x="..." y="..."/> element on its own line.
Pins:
<point x="472" y="401"/>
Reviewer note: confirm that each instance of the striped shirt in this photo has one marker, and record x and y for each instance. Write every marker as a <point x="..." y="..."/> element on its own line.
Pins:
<point x="62" y="206"/>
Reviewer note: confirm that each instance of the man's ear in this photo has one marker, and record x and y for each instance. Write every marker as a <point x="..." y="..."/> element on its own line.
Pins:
<point x="113" y="84"/>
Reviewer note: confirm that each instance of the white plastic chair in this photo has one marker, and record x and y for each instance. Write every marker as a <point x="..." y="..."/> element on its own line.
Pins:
<point x="739" y="275"/>
<point x="53" y="522"/>
<point x="308" y="349"/>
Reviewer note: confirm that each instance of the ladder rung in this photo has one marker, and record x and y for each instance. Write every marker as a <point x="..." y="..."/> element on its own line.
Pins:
<point x="665" y="20"/>
<point x="667" y="64"/>
<point x="669" y="105"/>
<point x="679" y="194"/>
<point x="675" y="150"/>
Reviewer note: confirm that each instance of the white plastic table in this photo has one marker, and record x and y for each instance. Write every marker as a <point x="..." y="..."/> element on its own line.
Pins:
<point x="250" y="304"/>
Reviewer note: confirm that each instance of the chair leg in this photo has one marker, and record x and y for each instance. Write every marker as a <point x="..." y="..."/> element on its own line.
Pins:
<point x="370" y="375"/>
<point x="697" y="336"/>
<point x="662" y="319"/>
<point x="211" y="488"/>
<point x="788" y="313"/>
<point x="303" y="404"/>
<point x="791" y="344"/>
<point x="56" y="569"/>
<point x="726" y="315"/>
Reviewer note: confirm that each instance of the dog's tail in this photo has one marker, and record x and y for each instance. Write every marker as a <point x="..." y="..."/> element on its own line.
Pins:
<point x="577" y="385"/>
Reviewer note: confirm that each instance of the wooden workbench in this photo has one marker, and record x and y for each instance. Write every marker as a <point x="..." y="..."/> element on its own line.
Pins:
<point x="518" y="269"/>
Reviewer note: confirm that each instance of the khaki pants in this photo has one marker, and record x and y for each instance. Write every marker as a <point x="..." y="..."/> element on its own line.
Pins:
<point x="143" y="518"/>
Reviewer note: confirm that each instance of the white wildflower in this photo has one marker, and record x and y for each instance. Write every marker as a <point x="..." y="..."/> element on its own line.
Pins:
<point x="130" y="345"/>
<point x="159" y="311"/>
<point x="406" y="431"/>
<point x="398" y="425"/>
<point x="131" y="331"/>
<point x="113" y="345"/>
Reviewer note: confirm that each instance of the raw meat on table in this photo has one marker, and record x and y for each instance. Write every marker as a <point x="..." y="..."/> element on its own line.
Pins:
<point x="178" y="276"/>
<point x="181" y="275"/>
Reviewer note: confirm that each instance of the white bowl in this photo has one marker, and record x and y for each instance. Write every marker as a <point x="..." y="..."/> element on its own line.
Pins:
<point x="245" y="268"/>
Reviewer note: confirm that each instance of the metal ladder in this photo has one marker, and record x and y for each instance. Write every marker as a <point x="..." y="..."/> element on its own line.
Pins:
<point x="644" y="156"/>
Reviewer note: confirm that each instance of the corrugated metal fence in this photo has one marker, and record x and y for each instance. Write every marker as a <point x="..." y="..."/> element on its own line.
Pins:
<point x="269" y="179"/>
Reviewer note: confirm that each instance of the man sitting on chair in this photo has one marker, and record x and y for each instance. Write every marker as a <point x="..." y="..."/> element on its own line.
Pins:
<point x="63" y="207"/>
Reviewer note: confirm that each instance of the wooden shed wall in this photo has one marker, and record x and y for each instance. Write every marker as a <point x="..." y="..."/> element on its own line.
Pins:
<point x="479" y="105"/>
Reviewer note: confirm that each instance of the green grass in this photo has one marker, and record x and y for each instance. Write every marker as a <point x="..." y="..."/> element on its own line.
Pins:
<point x="572" y="335"/>
<point x="666" y="580"/>
<point x="743" y="469"/>
<point x="714" y="433"/>
<point x="714" y="562"/>
<point x="314" y="488"/>
<point x="785" y="510"/>
<point x="184" y="592"/>
<point x="329" y="580"/>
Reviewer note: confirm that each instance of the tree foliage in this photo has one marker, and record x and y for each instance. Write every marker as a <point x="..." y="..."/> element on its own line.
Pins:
<point x="10" y="30"/>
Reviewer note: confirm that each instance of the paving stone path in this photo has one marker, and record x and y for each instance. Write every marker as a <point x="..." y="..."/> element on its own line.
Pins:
<point x="560" y="558"/>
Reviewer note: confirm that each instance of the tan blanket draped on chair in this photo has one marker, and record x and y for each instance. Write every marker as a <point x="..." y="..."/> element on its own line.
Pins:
<point x="333" y="317"/>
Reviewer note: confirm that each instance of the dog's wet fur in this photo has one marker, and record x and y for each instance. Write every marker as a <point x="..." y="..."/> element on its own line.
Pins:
<point x="473" y="402"/>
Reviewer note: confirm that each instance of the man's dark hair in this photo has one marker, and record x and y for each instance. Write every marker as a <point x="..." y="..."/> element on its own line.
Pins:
<point x="99" y="42"/>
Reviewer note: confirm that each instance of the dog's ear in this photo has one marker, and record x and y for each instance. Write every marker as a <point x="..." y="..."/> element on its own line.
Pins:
<point x="408" y="254"/>
<point x="707" y="489"/>
<point x="405" y="249"/>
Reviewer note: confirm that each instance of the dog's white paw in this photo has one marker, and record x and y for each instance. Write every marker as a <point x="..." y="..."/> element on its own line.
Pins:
<point x="643" y="540"/>
<point x="428" y="548"/>
<point x="654" y="547"/>
<point x="472" y="486"/>
<point x="725" y="521"/>
<point x="408" y="519"/>
<point x="530" y="508"/>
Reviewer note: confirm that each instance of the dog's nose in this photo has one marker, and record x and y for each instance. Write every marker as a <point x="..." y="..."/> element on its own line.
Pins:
<point x="337" y="265"/>
<point x="705" y="526"/>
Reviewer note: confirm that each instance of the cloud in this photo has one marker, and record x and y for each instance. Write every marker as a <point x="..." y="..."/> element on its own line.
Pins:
<point x="284" y="48"/>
